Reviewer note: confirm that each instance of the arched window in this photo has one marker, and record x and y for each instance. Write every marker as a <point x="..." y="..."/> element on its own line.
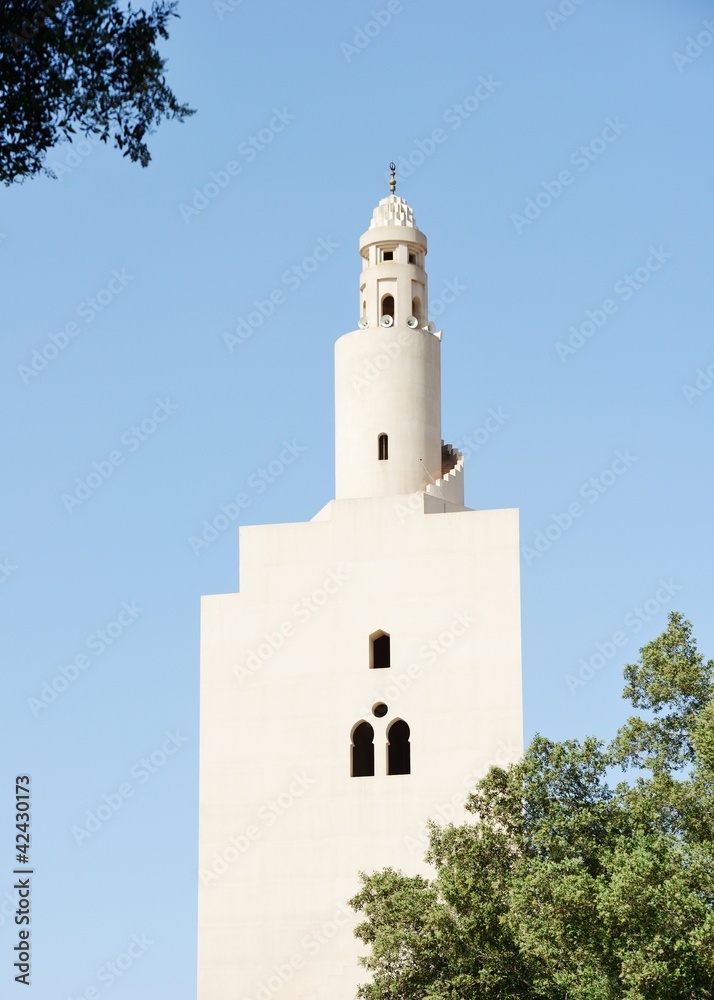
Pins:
<point x="416" y="308"/>
<point x="383" y="447"/>
<point x="379" y="652"/>
<point x="362" y="751"/>
<point x="398" y="748"/>
<point x="388" y="306"/>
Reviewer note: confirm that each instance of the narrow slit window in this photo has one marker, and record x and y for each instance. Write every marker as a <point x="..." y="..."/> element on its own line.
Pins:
<point x="383" y="447"/>
<point x="398" y="748"/>
<point x="380" y="653"/>
<point x="416" y="308"/>
<point x="362" y="751"/>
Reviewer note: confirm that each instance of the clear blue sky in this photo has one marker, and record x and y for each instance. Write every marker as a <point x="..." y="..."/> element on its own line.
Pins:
<point x="169" y="283"/>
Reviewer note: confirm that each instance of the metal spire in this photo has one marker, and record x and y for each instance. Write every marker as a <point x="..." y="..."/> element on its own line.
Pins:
<point x="393" y="178"/>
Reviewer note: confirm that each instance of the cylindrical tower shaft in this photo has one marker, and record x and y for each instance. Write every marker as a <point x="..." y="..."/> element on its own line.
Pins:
<point x="387" y="372"/>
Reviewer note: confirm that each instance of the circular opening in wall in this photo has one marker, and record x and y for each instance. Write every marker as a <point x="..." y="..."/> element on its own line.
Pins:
<point x="380" y="710"/>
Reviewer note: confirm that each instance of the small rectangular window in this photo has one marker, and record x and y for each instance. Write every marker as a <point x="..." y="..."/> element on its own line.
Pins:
<point x="412" y="258"/>
<point x="379" y="653"/>
<point x="387" y="255"/>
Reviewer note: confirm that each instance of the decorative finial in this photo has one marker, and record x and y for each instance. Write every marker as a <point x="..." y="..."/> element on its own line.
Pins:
<point x="393" y="178"/>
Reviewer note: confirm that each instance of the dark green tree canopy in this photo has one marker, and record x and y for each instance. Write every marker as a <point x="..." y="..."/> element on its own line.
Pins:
<point x="88" y="66"/>
<point x="564" y="887"/>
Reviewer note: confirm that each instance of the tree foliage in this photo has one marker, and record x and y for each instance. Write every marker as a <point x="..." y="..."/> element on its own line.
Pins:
<point x="87" y="66"/>
<point x="565" y="887"/>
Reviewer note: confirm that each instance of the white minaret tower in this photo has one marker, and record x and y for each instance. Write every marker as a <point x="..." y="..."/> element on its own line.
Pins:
<point x="368" y="672"/>
<point x="396" y="412"/>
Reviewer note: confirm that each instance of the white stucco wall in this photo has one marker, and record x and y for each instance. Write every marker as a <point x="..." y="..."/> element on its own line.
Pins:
<point x="387" y="380"/>
<point x="285" y="665"/>
<point x="276" y="723"/>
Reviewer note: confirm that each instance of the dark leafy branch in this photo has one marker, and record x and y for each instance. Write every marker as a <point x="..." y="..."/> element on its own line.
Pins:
<point x="80" y="66"/>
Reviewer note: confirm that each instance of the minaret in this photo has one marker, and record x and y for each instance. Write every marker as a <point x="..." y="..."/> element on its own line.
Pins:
<point x="368" y="672"/>
<point x="388" y="371"/>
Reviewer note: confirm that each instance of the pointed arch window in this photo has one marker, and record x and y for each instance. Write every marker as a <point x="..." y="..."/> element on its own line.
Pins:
<point x="379" y="650"/>
<point x="398" y="748"/>
<point x="362" y="751"/>
<point x="383" y="447"/>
